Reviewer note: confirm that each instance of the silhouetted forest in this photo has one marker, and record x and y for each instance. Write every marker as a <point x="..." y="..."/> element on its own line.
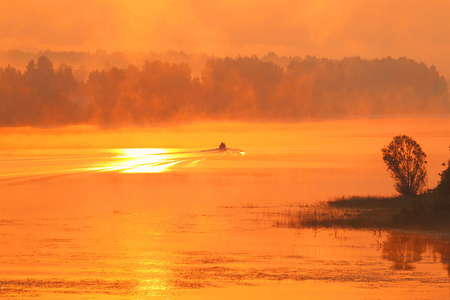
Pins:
<point x="245" y="89"/>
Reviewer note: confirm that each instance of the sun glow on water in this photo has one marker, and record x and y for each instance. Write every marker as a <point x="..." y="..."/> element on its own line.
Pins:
<point x="157" y="160"/>
<point x="151" y="168"/>
<point x="25" y="164"/>
<point x="141" y="160"/>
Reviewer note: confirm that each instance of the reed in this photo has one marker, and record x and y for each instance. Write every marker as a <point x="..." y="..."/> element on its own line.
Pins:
<point x="429" y="211"/>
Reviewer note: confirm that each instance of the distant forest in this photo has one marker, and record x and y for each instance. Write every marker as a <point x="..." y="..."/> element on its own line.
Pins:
<point x="135" y="92"/>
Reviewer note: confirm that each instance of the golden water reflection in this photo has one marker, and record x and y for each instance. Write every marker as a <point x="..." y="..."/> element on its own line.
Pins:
<point x="154" y="160"/>
<point x="406" y="249"/>
<point x="142" y="255"/>
<point x="210" y="234"/>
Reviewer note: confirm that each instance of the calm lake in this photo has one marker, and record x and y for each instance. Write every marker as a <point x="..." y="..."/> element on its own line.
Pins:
<point x="175" y="219"/>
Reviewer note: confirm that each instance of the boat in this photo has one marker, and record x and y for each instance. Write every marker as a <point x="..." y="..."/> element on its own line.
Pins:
<point x="222" y="147"/>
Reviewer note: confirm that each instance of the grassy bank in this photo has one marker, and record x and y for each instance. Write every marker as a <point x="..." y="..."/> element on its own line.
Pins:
<point x="428" y="211"/>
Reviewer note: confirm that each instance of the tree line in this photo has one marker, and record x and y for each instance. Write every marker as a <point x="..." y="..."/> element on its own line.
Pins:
<point x="245" y="89"/>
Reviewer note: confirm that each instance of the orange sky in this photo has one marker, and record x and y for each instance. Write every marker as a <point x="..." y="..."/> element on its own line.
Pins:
<point x="325" y="28"/>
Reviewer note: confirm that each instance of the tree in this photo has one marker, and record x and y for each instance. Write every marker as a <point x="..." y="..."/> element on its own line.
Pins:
<point x="405" y="161"/>
<point x="444" y="184"/>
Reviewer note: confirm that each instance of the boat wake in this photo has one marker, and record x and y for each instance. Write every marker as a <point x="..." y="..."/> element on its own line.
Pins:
<point x="35" y="164"/>
<point x="140" y="161"/>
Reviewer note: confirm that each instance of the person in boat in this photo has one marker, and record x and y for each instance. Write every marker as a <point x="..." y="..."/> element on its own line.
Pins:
<point x="222" y="147"/>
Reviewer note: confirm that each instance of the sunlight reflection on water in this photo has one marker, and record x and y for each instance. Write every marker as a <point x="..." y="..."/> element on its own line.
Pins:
<point x="197" y="233"/>
<point x="153" y="160"/>
<point x="140" y="160"/>
<point x="43" y="163"/>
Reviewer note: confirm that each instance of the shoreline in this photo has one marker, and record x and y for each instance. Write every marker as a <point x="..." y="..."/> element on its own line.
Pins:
<point x="426" y="213"/>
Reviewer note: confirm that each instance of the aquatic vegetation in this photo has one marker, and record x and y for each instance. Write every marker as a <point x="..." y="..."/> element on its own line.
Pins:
<point x="429" y="211"/>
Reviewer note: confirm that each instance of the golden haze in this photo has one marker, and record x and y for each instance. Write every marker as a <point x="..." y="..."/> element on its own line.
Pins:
<point x="325" y="28"/>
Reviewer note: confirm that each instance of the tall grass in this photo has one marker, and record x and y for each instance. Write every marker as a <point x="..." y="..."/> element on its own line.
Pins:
<point x="428" y="211"/>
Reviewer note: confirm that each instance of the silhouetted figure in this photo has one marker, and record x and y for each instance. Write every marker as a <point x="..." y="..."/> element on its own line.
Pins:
<point x="222" y="147"/>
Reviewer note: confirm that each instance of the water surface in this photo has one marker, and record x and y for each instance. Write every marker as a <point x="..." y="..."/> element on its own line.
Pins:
<point x="198" y="223"/>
